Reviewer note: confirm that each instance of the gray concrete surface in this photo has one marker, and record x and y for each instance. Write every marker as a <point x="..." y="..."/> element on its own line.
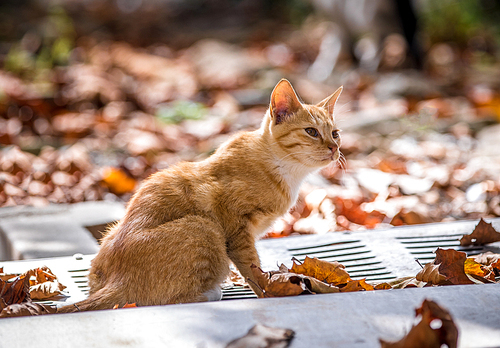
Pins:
<point x="350" y="320"/>
<point x="56" y="230"/>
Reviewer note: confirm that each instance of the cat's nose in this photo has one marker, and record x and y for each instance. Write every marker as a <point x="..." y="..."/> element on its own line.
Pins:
<point x="333" y="147"/>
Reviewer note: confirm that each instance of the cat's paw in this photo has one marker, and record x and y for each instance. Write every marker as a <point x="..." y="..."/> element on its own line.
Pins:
<point x="214" y="294"/>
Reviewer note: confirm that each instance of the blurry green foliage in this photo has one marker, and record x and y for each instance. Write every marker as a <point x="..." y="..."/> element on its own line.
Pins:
<point x="50" y="45"/>
<point x="180" y="110"/>
<point x="460" y="20"/>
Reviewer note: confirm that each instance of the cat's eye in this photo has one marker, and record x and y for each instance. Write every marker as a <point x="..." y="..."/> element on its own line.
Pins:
<point x="312" y="132"/>
<point x="335" y="134"/>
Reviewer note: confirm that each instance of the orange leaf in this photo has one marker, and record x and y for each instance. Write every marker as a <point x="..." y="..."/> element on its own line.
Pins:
<point x="382" y="286"/>
<point x="356" y="285"/>
<point x="484" y="233"/>
<point x="129" y="305"/>
<point x="126" y="305"/>
<point x="117" y="181"/>
<point x="423" y="335"/>
<point x="329" y="272"/>
<point x="472" y="267"/>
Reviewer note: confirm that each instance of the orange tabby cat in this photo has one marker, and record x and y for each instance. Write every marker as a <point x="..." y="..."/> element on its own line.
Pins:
<point x="185" y="224"/>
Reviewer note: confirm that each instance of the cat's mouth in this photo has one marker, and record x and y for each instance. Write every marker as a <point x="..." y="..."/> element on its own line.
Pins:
<point x="332" y="157"/>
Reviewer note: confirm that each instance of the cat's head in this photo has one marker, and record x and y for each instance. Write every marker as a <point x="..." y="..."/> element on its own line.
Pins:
<point x="303" y="133"/>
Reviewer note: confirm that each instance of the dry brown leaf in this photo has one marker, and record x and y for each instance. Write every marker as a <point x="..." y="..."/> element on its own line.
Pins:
<point x="356" y="285"/>
<point x="450" y="264"/>
<point x="26" y="309"/>
<point x="14" y="292"/>
<point x="489" y="259"/>
<point x="264" y="337"/>
<point x="430" y="274"/>
<point x="318" y="287"/>
<point x="278" y="284"/>
<point x="46" y="290"/>
<point x="382" y="286"/>
<point x="484" y="233"/>
<point x="329" y="272"/>
<point x="423" y="335"/>
<point x="6" y="276"/>
<point x="40" y="275"/>
<point x="406" y="282"/>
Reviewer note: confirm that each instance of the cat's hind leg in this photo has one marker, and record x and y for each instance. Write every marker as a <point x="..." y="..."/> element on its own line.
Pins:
<point x="177" y="262"/>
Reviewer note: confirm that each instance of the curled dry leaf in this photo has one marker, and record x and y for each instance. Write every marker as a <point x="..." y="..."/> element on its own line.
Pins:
<point x="40" y="275"/>
<point x="26" y="309"/>
<point x="329" y="272"/>
<point x="264" y="337"/>
<point x="406" y="282"/>
<point x="450" y="265"/>
<point x="278" y="284"/>
<point x="318" y="287"/>
<point x="423" y="335"/>
<point x="356" y="285"/>
<point x="14" y="292"/>
<point x="488" y="259"/>
<point x="382" y="286"/>
<point x="430" y="274"/>
<point x="46" y="290"/>
<point x="484" y="233"/>
<point x="491" y="262"/>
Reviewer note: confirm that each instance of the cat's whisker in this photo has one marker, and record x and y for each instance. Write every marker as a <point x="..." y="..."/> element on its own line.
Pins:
<point x="342" y="162"/>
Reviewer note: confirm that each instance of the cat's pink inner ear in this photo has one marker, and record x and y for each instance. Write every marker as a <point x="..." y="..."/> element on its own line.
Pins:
<point x="329" y="102"/>
<point x="284" y="101"/>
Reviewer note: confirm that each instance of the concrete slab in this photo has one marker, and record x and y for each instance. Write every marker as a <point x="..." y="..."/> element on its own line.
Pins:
<point x="335" y="320"/>
<point x="56" y="230"/>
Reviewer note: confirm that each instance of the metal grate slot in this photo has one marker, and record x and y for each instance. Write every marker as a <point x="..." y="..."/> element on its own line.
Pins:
<point x="329" y="254"/>
<point x="423" y="248"/>
<point x="422" y="239"/>
<point x="323" y="245"/>
<point x="237" y="292"/>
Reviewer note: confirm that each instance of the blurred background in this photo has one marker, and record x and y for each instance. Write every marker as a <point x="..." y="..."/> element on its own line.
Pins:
<point x="95" y="95"/>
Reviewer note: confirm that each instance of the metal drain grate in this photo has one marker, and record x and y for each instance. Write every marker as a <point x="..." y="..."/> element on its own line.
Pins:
<point x="358" y="260"/>
<point x="423" y="247"/>
<point x="374" y="255"/>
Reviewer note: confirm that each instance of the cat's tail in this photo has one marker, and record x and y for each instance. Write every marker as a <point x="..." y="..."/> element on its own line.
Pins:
<point x="101" y="299"/>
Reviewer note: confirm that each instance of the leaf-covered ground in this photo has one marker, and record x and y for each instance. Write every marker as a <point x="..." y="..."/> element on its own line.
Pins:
<point x="419" y="146"/>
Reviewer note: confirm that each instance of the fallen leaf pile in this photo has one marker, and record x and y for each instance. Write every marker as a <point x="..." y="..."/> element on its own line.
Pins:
<point x="94" y="128"/>
<point x="315" y="276"/>
<point x="423" y="334"/>
<point x="450" y="267"/>
<point x="18" y="292"/>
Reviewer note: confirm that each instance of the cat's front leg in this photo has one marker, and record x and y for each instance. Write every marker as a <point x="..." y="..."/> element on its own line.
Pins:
<point x="243" y="254"/>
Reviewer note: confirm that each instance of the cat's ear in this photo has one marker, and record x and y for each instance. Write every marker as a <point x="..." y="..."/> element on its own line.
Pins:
<point x="329" y="102"/>
<point x="284" y="101"/>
